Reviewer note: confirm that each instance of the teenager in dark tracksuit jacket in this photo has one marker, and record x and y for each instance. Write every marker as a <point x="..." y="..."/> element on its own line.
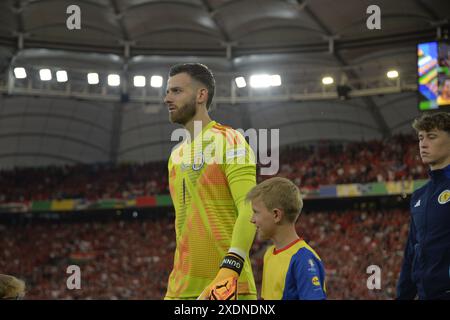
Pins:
<point x="426" y="266"/>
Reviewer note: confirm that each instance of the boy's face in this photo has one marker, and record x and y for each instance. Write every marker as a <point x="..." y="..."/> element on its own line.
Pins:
<point x="434" y="146"/>
<point x="264" y="220"/>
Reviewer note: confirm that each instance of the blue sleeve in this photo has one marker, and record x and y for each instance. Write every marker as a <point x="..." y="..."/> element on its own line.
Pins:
<point x="308" y="276"/>
<point x="406" y="288"/>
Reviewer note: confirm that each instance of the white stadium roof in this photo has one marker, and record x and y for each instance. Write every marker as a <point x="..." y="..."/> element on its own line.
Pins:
<point x="45" y="123"/>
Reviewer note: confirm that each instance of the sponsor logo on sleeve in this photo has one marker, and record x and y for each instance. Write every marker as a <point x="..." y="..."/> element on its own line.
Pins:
<point x="235" y="153"/>
<point x="315" y="281"/>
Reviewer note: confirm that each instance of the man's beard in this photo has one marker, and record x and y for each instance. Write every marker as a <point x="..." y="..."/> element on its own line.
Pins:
<point x="185" y="113"/>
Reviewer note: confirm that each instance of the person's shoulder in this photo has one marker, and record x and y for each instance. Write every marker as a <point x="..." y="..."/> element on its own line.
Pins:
<point x="269" y="250"/>
<point x="218" y="125"/>
<point x="305" y="253"/>
<point x="176" y="154"/>
<point x="232" y="135"/>
<point x="177" y="148"/>
<point x="419" y="191"/>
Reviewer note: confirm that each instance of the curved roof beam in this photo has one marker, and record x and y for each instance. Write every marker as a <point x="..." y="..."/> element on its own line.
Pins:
<point x="368" y="101"/>
<point x="425" y="7"/>
<point x="362" y="21"/>
<point x="197" y="16"/>
<point x="393" y="101"/>
<point x="143" y="145"/>
<point x="41" y="2"/>
<point x="271" y="28"/>
<point x="55" y="116"/>
<point x="89" y="26"/>
<point x="159" y="2"/>
<point x="142" y="126"/>
<point x="82" y="103"/>
<point x="225" y="4"/>
<point x="120" y="20"/>
<point x="321" y="120"/>
<point x="53" y="135"/>
<point x="381" y="54"/>
<point x="268" y="107"/>
<point x="177" y="29"/>
<point x="225" y="37"/>
<point x="42" y="155"/>
<point x="402" y="123"/>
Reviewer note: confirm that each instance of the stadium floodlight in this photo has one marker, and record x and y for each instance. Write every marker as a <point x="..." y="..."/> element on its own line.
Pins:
<point x="327" y="80"/>
<point x="113" y="80"/>
<point x="45" y="74"/>
<point x="92" y="78"/>
<point x="392" y="74"/>
<point x="139" y="81"/>
<point x="20" y="73"/>
<point x="260" y="81"/>
<point x="61" y="76"/>
<point x="240" y="82"/>
<point x="275" y="80"/>
<point x="156" y="81"/>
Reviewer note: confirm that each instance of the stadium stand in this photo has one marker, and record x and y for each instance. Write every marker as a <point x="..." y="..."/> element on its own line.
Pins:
<point x="309" y="167"/>
<point x="131" y="259"/>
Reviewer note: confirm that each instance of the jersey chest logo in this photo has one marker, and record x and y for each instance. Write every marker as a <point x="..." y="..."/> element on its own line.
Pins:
<point x="199" y="161"/>
<point x="444" y="197"/>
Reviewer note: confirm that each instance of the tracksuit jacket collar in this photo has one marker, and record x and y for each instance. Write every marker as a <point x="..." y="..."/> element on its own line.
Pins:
<point x="440" y="174"/>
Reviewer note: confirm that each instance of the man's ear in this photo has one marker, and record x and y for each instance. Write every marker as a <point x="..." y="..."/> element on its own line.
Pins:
<point x="277" y="215"/>
<point x="202" y="95"/>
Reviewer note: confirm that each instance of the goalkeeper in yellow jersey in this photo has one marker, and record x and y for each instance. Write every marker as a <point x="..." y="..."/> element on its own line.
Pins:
<point x="210" y="174"/>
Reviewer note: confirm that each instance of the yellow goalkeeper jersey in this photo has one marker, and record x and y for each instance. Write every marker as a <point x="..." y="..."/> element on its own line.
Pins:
<point x="209" y="179"/>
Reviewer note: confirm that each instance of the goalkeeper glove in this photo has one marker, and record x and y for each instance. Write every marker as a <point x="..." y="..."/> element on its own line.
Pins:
<point x="225" y="285"/>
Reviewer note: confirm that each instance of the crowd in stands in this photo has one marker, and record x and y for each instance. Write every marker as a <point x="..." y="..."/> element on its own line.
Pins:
<point x="393" y="159"/>
<point x="117" y="259"/>
<point x="326" y="163"/>
<point x="132" y="259"/>
<point x="92" y="182"/>
<point x="123" y="259"/>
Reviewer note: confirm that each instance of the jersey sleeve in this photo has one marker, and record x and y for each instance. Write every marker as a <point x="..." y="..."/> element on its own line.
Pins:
<point x="308" y="275"/>
<point x="240" y="170"/>
<point x="406" y="288"/>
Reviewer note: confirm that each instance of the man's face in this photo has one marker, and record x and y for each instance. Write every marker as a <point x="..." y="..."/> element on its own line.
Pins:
<point x="263" y="219"/>
<point x="434" y="146"/>
<point x="181" y="98"/>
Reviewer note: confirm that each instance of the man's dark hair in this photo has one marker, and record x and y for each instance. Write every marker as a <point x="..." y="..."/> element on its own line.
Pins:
<point x="200" y="73"/>
<point x="428" y="121"/>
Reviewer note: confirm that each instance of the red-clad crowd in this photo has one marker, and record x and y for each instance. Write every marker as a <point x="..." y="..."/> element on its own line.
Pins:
<point x="393" y="159"/>
<point x="92" y="182"/>
<point x="117" y="259"/>
<point x="123" y="259"/>
<point x="322" y="164"/>
<point x="351" y="242"/>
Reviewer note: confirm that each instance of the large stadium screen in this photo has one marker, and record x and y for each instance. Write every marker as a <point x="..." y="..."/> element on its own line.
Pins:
<point x="433" y="62"/>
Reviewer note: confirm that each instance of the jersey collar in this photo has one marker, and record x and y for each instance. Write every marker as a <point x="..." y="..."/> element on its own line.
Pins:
<point x="440" y="174"/>
<point x="277" y="251"/>
<point x="204" y="129"/>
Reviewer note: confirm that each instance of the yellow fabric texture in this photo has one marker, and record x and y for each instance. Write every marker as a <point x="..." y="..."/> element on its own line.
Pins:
<point x="209" y="179"/>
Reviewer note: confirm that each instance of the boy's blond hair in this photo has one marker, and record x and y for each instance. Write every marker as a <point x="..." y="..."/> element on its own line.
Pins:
<point x="11" y="287"/>
<point x="279" y="193"/>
